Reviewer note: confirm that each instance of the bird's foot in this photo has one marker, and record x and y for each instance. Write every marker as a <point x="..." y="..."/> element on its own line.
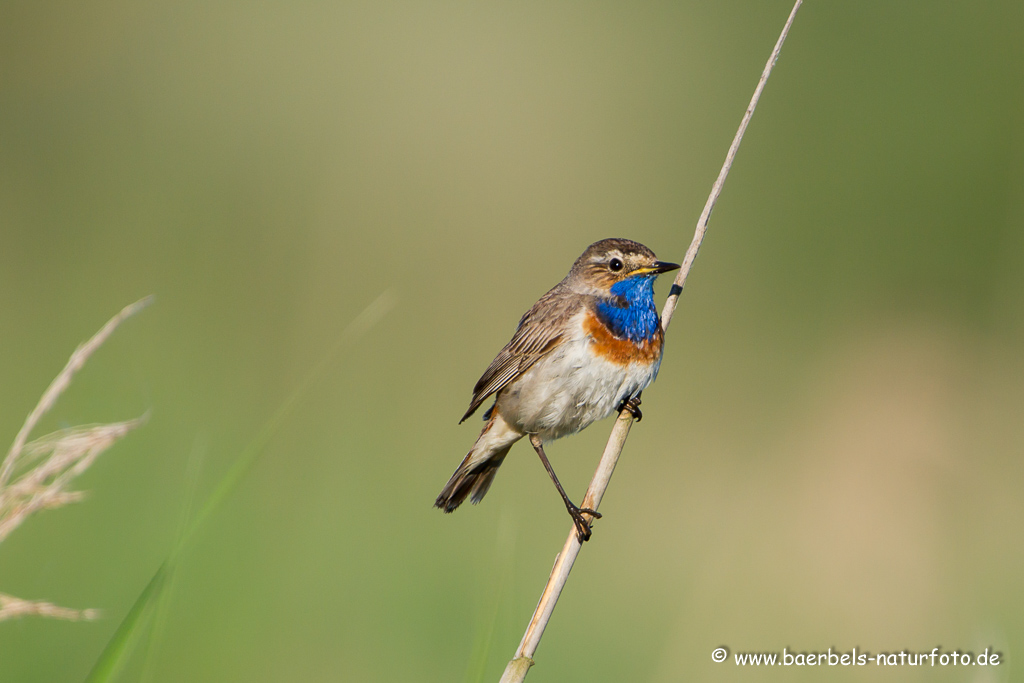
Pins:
<point x="633" y="406"/>
<point x="583" y="529"/>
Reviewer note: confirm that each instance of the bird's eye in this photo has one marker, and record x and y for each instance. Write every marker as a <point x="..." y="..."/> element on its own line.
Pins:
<point x="615" y="265"/>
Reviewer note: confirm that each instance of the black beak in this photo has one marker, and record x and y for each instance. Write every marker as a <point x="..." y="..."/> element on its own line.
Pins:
<point x="664" y="267"/>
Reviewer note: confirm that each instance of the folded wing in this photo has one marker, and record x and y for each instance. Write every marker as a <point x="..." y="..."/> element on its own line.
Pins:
<point x="539" y="331"/>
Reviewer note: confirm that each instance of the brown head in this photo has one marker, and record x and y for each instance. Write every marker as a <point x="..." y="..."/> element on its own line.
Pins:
<point x="613" y="260"/>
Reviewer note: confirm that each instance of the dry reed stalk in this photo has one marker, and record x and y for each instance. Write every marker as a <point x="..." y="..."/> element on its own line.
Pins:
<point x="522" y="661"/>
<point x="36" y="475"/>
<point x="12" y="607"/>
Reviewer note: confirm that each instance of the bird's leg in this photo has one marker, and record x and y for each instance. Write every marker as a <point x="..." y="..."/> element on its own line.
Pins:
<point x="633" y="406"/>
<point x="582" y="525"/>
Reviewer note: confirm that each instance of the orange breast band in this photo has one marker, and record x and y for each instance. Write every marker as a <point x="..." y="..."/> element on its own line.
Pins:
<point x="621" y="351"/>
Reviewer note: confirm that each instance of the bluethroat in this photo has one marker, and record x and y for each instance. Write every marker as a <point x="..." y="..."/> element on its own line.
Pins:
<point x="585" y="350"/>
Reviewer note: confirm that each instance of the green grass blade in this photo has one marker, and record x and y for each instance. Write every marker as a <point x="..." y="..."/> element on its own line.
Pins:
<point x="162" y="608"/>
<point x="114" y="655"/>
<point x="499" y="581"/>
<point x="119" y="648"/>
<point x="359" y="326"/>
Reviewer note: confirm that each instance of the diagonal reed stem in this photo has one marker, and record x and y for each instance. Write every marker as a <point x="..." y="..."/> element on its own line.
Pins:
<point x="523" y="660"/>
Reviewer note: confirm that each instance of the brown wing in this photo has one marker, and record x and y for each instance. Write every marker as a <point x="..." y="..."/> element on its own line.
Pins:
<point x="539" y="331"/>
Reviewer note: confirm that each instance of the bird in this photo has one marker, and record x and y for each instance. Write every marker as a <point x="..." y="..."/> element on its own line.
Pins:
<point x="586" y="349"/>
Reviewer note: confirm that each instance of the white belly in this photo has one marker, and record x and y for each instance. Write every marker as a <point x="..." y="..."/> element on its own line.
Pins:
<point x="570" y="388"/>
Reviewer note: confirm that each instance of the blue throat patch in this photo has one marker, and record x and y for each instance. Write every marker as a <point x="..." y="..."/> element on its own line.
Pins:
<point x="631" y="314"/>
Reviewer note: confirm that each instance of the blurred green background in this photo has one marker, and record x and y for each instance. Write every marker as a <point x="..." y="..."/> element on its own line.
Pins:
<point x="831" y="456"/>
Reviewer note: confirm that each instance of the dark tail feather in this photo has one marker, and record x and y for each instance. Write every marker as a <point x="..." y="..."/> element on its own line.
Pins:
<point x="470" y="480"/>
